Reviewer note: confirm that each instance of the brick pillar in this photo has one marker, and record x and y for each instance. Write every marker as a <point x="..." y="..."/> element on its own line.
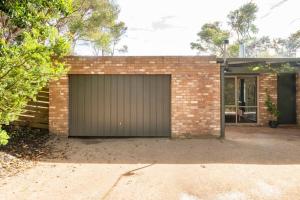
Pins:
<point x="58" y="106"/>
<point x="269" y="82"/>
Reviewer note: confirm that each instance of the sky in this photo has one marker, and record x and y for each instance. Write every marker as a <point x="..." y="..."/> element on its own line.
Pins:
<point x="167" y="27"/>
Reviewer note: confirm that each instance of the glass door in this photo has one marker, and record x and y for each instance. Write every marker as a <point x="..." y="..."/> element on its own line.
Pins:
<point x="230" y="99"/>
<point x="240" y="99"/>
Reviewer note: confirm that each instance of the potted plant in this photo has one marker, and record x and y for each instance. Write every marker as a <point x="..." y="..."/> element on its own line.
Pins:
<point x="272" y="109"/>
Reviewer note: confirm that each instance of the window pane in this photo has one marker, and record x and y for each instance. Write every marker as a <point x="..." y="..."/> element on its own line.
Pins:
<point x="247" y="91"/>
<point x="247" y="115"/>
<point x="229" y="91"/>
<point x="230" y="114"/>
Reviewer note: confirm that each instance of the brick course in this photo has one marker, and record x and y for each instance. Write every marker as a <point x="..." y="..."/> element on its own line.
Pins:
<point x="195" y="88"/>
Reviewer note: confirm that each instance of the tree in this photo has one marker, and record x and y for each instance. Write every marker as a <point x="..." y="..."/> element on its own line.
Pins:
<point x="278" y="47"/>
<point x="107" y="44"/>
<point x="117" y="32"/>
<point x="212" y="36"/>
<point x="287" y="47"/>
<point x="242" y="20"/>
<point x="259" y="47"/>
<point x="96" y="22"/>
<point x="30" y="52"/>
<point x="211" y="39"/>
<point x="293" y="44"/>
<point x="278" y="44"/>
<point x="233" y="50"/>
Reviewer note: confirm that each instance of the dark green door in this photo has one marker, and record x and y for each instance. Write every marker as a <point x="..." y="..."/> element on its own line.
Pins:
<point x="119" y="105"/>
<point x="286" y="87"/>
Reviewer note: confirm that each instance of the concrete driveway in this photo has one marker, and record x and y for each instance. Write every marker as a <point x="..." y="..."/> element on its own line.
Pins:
<point x="252" y="163"/>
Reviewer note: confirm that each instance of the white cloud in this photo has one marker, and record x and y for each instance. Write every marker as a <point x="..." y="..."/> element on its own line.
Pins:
<point x="163" y="23"/>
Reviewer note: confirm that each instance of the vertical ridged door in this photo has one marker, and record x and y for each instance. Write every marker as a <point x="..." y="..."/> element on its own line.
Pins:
<point x="119" y="105"/>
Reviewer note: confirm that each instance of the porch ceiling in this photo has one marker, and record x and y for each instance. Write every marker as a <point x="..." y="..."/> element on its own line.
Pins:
<point x="240" y="62"/>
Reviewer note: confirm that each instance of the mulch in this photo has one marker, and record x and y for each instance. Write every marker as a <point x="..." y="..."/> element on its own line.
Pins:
<point x="25" y="147"/>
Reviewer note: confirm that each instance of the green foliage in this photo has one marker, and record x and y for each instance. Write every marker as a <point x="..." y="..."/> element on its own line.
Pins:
<point x="242" y="20"/>
<point x="94" y="21"/>
<point x="287" y="47"/>
<point x="271" y="107"/>
<point x="276" y="69"/>
<point x="278" y="47"/>
<point x="30" y="49"/>
<point x="243" y="31"/>
<point x="211" y="39"/>
<point x="293" y="43"/>
<point x="259" y="47"/>
<point x="117" y="32"/>
<point x="212" y="36"/>
<point x="3" y="137"/>
<point x="233" y="50"/>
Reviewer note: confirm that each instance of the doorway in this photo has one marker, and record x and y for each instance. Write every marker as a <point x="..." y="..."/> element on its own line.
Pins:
<point x="286" y="99"/>
<point x="240" y="97"/>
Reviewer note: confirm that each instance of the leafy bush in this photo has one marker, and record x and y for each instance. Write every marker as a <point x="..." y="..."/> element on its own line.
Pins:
<point x="30" y="49"/>
<point x="271" y="107"/>
<point x="3" y="137"/>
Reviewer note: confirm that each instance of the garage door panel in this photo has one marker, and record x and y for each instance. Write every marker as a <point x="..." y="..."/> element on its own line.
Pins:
<point x="87" y="109"/>
<point x="120" y="105"/>
<point x="133" y="106"/>
<point x="107" y="104"/>
<point x="146" y="106"/>
<point x="152" y="120"/>
<point x="100" y="105"/>
<point x="80" y="105"/>
<point x="94" y="101"/>
<point x="114" y="104"/>
<point x="139" y="107"/>
<point x="127" y="106"/>
<point x="159" y="108"/>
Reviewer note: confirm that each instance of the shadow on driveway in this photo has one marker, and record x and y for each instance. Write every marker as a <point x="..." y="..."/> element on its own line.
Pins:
<point x="243" y="145"/>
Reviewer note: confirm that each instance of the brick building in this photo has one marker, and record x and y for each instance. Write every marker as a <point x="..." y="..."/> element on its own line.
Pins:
<point x="161" y="96"/>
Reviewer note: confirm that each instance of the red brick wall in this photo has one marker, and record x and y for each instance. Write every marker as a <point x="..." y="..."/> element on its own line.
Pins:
<point x="269" y="82"/>
<point x="195" y="103"/>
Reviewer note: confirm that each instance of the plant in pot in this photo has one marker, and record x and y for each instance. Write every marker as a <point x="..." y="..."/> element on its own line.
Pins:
<point x="272" y="109"/>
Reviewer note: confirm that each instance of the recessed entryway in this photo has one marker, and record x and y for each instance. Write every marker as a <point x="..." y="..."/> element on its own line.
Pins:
<point x="240" y="99"/>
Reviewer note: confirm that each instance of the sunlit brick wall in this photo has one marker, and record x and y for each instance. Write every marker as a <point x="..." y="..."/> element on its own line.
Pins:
<point x="195" y="88"/>
<point x="269" y="82"/>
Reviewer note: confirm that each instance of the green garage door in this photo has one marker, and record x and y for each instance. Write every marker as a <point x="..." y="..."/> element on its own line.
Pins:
<point x="119" y="105"/>
<point x="286" y="98"/>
